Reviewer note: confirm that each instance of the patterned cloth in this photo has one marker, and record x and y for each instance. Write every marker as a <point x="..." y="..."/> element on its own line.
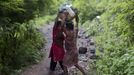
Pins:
<point x="57" y="49"/>
<point x="71" y="55"/>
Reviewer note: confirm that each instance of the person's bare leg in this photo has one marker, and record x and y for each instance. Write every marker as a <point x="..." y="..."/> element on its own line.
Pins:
<point x="65" y="70"/>
<point x="80" y="68"/>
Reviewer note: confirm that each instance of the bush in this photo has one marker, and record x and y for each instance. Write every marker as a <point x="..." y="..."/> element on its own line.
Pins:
<point x="19" y="47"/>
<point x="113" y="32"/>
<point x="20" y="42"/>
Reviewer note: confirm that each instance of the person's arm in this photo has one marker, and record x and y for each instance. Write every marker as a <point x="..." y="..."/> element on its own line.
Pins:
<point x="77" y="21"/>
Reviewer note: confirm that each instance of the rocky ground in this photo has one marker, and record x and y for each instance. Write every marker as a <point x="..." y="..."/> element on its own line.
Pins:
<point x="86" y="49"/>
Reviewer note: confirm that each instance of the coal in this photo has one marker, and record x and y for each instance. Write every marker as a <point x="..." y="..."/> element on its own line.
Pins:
<point x="82" y="50"/>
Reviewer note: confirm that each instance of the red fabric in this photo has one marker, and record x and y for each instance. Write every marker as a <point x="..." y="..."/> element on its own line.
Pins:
<point x="57" y="50"/>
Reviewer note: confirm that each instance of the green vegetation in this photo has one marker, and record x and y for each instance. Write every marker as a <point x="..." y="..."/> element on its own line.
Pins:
<point x="113" y="32"/>
<point x="20" y="42"/>
<point x="44" y="20"/>
<point x="109" y="22"/>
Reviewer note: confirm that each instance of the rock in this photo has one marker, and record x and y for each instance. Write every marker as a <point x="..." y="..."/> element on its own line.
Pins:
<point x="94" y="56"/>
<point x="83" y="57"/>
<point x="82" y="50"/>
<point x="92" y="42"/>
<point x="88" y="41"/>
<point x="87" y="36"/>
<point x="79" y="36"/>
<point x="92" y="49"/>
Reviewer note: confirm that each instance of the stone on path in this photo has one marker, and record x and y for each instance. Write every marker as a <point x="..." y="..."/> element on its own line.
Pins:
<point x="92" y="49"/>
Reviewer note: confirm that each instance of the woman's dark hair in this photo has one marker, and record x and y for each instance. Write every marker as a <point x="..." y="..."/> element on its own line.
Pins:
<point x="57" y="23"/>
<point x="69" y="25"/>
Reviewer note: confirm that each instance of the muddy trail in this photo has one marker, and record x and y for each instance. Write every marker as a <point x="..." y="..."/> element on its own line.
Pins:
<point x="86" y="50"/>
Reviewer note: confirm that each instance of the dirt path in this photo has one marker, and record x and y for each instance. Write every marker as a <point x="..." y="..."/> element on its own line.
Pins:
<point x="42" y="68"/>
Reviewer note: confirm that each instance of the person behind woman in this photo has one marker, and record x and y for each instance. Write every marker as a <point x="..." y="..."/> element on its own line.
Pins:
<point x="71" y="56"/>
<point x="57" y="50"/>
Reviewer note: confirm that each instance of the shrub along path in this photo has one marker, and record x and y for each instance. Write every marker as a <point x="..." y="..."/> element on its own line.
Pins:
<point x="85" y="43"/>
